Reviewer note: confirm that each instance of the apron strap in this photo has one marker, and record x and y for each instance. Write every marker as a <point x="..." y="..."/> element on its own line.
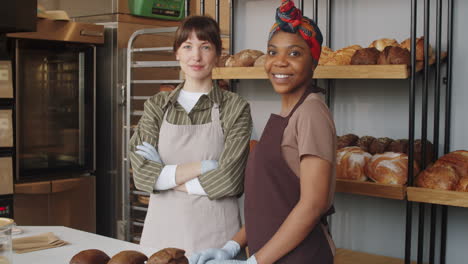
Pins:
<point x="215" y="113"/>
<point x="303" y="97"/>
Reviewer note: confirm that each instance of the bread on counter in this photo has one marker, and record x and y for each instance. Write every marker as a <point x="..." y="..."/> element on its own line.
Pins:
<point x="449" y="172"/>
<point x="260" y="61"/>
<point x="399" y="146"/>
<point x="419" y="47"/>
<point x="168" y="256"/>
<point x="90" y="256"/>
<point x="379" y="145"/>
<point x="394" y="55"/>
<point x="441" y="177"/>
<point x="347" y="141"/>
<point x="389" y="168"/>
<point x="244" y="58"/>
<point x="367" y="56"/>
<point x="351" y="163"/>
<point x="365" y="142"/>
<point x="128" y="257"/>
<point x="381" y="44"/>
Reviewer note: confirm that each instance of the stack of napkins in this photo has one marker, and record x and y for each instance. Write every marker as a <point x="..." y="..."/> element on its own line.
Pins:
<point x="38" y="242"/>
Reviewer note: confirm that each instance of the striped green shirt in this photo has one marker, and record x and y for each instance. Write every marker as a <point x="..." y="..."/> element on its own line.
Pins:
<point x="228" y="179"/>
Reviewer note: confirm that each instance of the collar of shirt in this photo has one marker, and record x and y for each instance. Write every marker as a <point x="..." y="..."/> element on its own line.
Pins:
<point x="214" y="96"/>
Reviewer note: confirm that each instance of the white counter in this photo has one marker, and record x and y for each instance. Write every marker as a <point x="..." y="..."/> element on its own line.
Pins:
<point x="79" y="240"/>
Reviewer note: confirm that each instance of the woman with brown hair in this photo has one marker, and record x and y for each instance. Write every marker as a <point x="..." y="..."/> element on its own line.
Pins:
<point x="289" y="181"/>
<point x="190" y="149"/>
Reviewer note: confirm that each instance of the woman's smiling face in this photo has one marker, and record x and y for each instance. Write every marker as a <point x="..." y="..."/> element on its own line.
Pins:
<point x="289" y="64"/>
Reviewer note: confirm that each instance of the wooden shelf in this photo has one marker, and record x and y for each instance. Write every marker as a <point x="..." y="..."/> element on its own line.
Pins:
<point x="400" y="71"/>
<point x="345" y="256"/>
<point x="390" y="191"/>
<point x="425" y="195"/>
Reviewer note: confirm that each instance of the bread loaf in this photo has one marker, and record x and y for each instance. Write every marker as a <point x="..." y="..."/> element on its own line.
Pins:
<point x="166" y="87"/>
<point x="90" y="256"/>
<point x="168" y="256"/>
<point x="399" y="146"/>
<point x="389" y="168"/>
<point x="325" y="55"/>
<point x="347" y="141"/>
<point x="260" y="61"/>
<point x="381" y="44"/>
<point x="418" y="152"/>
<point x="441" y="177"/>
<point x="419" y="47"/>
<point x="367" y="56"/>
<point x="222" y="60"/>
<point x="394" y="55"/>
<point x="462" y="185"/>
<point x="351" y="163"/>
<point x="379" y="145"/>
<point x="365" y="142"/>
<point x="244" y="58"/>
<point x="343" y="56"/>
<point x="458" y="160"/>
<point x="128" y="257"/>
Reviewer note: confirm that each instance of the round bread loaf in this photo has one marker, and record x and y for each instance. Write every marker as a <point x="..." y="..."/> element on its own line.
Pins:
<point x="419" y="47"/>
<point x="222" y="60"/>
<point x="381" y="44"/>
<point x="418" y="152"/>
<point x="343" y="56"/>
<point x="325" y="55"/>
<point x="90" y="256"/>
<point x="399" y="146"/>
<point x="379" y="145"/>
<point x="367" y="56"/>
<point x="347" y="141"/>
<point x="365" y="142"/>
<point x="351" y="163"/>
<point x="462" y="185"/>
<point x="389" y="168"/>
<point x="458" y="160"/>
<point x="441" y="177"/>
<point x="260" y="61"/>
<point x="128" y="257"/>
<point x="394" y="55"/>
<point x="244" y="58"/>
<point x="168" y="256"/>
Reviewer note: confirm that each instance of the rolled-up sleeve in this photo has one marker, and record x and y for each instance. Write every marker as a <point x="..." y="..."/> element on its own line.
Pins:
<point x="146" y="172"/>
<point x="227" y="180"/>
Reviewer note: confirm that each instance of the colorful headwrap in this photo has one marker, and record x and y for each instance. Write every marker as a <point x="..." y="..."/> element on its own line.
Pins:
<point x="290" y="19"/>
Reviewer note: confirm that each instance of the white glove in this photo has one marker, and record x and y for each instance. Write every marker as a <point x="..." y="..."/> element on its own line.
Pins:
<point x="251" y="260"/>
<point x="207" y="165"/>
<point x="229" y="251"/>
<point x="148" y="152"/>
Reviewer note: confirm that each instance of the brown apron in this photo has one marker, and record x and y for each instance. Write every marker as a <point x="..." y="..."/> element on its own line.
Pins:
<point x="272" y="190"/>
<point x="177" y="219"/>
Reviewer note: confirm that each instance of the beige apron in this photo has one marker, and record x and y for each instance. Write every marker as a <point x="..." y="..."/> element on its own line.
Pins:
<point x="177" y="219"/>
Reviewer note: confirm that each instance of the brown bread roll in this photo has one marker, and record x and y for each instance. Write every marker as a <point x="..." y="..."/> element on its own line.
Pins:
<point x="343" y="56"/>
<point x="399" y="146"/>
<point x="462" y="185"/>
<point x="222" y="60"/>
<point x="351" y="163"/>
<point x="346" y="141"/>
<point x="418" y="152"/>
<point x="365" y="142"/>
<point x="244" y="58"/>
<point x="441" y="177"/>
<point x="379" y="145"/>
<point x="381" y="44"/>
<point x="389" y="168"/>
<point x="325" y="55"/>
<point x="394" y="55"/>
<point x="367" y="56"/>
<point x="168" y="256"/>
<point x="260" y="61"/>
<point x="419" y="47"/>
<point x="128" y="257"/>
<point x="458" y="160"/>
<point x="90" y="256"/>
